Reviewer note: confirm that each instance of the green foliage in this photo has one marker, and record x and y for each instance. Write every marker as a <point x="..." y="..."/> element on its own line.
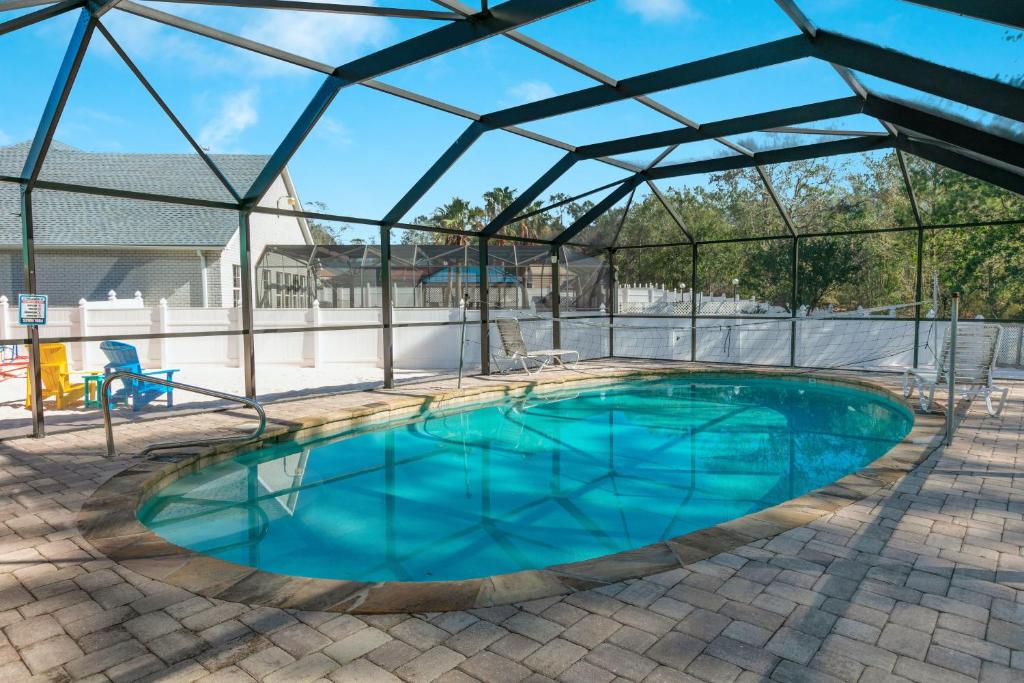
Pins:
<point x="821" y="198"/>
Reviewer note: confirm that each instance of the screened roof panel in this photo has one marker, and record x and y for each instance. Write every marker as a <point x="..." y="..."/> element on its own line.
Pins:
<point x="603" y="231"/>
<point x="480" y="173"/>
<point x="648" y="222"/>
<point x="852" y="192"/>
<point x="23" y="93"/>
<point x="946" y="196"/>
<point x="645" y="158"/>
<point x="574" y="193"/>
<point x="944" y="107"/>
<point x="945" y="38"/>
<point x="583" y="176"/>
<point x="477" y="77"/>
<point x="724" y="205"/>
<point x="697" y="151"/>
<point x="627" y="37"/>
<point x="135" y="146"/>
<point x="373" y="148"/>
<point x="231" y="100"/>
<point x="612" y="121"/>
<point x="831" y="130"/>
<point x="328" y="37"/>
<point x="803" y="81"/>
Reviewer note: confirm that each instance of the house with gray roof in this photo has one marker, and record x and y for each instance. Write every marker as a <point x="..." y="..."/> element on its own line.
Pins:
<point x="87" y="245"/>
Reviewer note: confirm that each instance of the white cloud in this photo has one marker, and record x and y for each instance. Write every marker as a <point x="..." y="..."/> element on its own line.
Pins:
<point x="330" y="38"/>
<point x="334" y="131"/>
<point x="325" y="37"/>
<point x="237" y="113"/>
<point x="659" y="10"/>
<point x="530" y="91"/>
<point x="5" y="139"/>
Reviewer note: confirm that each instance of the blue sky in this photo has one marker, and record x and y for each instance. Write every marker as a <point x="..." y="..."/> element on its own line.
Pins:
<point x="371" y="147"/>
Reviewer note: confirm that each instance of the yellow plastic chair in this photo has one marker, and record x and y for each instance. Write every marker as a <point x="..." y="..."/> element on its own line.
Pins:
<point x="53" y="360"/>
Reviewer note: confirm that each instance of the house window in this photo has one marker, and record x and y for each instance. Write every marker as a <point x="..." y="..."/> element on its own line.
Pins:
<point x="236" y="286"/>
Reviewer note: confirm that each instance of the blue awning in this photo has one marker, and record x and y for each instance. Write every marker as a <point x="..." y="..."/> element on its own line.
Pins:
<point x="469" y="275"/>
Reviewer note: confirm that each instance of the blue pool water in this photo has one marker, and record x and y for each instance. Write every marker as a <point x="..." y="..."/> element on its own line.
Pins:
<point x="527" y="483"/>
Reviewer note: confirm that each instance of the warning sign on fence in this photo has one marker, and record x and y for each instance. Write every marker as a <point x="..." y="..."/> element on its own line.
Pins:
<point x="32" y="309"/>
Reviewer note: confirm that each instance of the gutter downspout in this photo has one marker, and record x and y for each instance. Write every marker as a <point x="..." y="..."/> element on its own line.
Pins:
<point x="290" y="188"/>
<point x="205" y="278"/>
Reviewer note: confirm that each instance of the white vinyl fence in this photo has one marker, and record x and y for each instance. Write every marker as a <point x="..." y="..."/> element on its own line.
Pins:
<point x="432" y="338"/>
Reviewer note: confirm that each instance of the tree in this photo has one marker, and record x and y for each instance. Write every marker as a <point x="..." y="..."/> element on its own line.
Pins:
<point x="321" y="231"/>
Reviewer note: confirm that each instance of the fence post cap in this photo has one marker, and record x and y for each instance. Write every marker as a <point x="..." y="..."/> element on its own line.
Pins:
<point x="316" y="303"/>
<point x="163" y="301"/>
<point x="82" y="301"/>
<point x="3" y="299"/>
<point x="111" y="295"/>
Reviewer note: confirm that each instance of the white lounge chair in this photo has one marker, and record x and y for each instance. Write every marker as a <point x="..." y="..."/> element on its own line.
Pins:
<point x="977" y="346"/>
<point x="515" y="349"/>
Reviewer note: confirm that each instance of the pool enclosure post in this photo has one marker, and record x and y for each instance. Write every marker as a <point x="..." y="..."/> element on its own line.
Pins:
<point x="693" y="303"/>
<point x="34" y="158"/>
<point x="920" y="253"/>
<point x="386" y="313"/>
<point x="556" y="300"/>
<point x="28" y="265"/>
<point x="485" y="308"/>
<point x="794" y="292"/>
<point x="248" y="345"/>
<point x="613" y="300"/>
<point x="954" y="316"/>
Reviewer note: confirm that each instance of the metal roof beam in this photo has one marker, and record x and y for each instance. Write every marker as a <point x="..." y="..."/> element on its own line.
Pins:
<point x="953" y="132"/>
<point x="39" y="15"/>
<point x="736" y="126"/>
<point x="59" y="93"/>
<point x="952" y="84"/>
<point x="960" y="161"/>
<point x="767" y="54"/>
<point x="501" y="18"/>
<point x="331" y="8"/>
<point x="775" y="156"/>
<point x="1003" y="12"/>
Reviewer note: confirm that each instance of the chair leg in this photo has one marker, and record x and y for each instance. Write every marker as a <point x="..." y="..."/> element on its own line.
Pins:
<point x="926" y="400"/>
<point x="908" y="388"/>
<point x="1003" y="392"/>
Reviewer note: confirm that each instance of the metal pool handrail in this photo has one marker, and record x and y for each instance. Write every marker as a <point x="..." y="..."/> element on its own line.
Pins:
<point x="109" y="427"/>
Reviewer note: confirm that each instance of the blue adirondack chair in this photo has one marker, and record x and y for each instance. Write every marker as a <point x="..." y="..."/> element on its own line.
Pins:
<point x="124" y="357"/>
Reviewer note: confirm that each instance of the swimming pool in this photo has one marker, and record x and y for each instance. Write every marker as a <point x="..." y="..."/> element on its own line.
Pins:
<point x="530" y="482"/>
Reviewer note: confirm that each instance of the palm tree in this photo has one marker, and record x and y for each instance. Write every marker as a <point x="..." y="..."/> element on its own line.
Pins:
<point x="497" y="200"/>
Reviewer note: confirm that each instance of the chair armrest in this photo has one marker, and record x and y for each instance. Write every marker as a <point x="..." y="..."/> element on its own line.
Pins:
<point x="162" y="371"/>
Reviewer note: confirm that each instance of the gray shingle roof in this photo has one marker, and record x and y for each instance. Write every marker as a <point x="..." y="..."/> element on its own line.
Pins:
<point x="68" y="219"/>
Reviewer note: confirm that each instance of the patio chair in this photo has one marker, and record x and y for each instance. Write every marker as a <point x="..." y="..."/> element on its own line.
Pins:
<point x="977" y="346"/>
<point x="56" y="380"/>
<point x="515" y="349"/>
<point x="125" y="358"/>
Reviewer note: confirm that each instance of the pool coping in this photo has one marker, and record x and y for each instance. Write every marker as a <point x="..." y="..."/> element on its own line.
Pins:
<point x="108" y="519"/>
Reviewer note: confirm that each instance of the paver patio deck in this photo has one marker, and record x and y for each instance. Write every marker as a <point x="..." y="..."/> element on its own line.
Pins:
<point x="923" y="582"/>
